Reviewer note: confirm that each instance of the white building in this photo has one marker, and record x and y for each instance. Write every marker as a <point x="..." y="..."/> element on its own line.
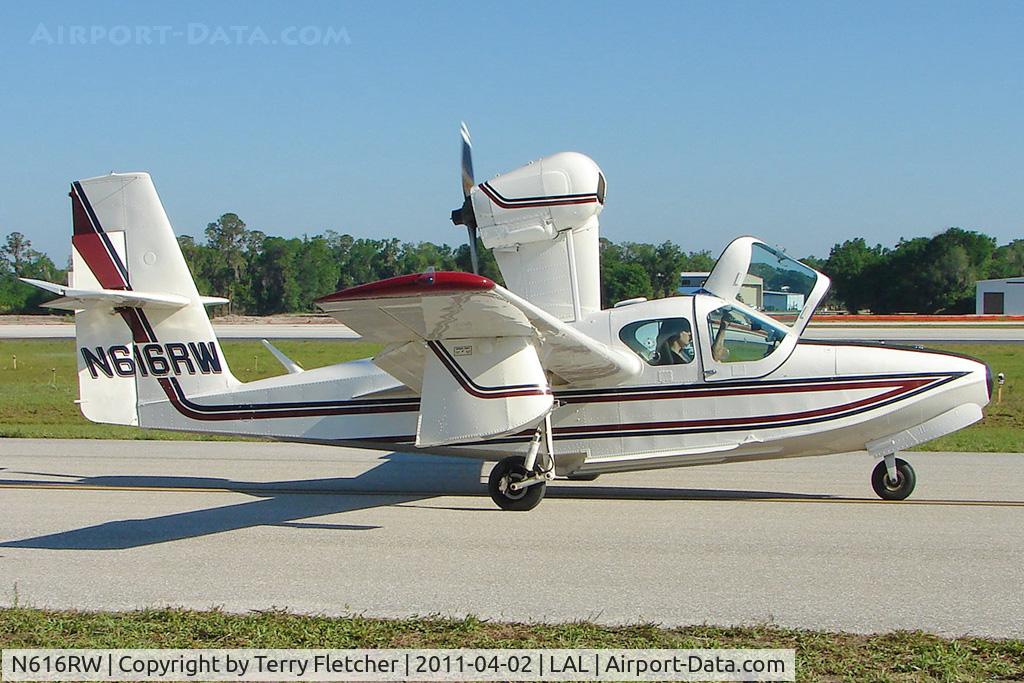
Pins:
<point x="690" y="282"/>
<point x="751" y="293"/>
<point x="783" y="301"/>
<point x="1004" y="296"/>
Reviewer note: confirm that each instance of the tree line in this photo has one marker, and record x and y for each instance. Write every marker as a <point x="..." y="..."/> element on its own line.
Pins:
<point x="263" y="274"/>
<point x="922" y="275"/>
<point x="19" y="259"/>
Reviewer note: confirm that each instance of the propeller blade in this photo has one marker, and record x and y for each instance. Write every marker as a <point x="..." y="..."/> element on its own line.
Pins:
<point x="464" y="214"/>
<point x="467" y="161"/>
<point x="472" y="251"/>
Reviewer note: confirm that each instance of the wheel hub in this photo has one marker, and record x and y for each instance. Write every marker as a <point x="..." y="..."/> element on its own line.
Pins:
<point x="508" y="491"/>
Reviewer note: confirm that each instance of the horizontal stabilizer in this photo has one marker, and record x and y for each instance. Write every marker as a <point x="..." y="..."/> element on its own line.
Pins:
<point x="76" y="299"/>
<point x="291" y="366"/>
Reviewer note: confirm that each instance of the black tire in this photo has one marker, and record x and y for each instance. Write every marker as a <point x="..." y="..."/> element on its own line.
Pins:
<point x="885" y="488"/>
<point x="507" y="471"/>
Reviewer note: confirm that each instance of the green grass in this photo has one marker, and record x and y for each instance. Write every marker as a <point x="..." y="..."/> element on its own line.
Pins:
<point x="37" y="399"/>
<point x="1002" y="430"/>
<point x="900" y="656"/>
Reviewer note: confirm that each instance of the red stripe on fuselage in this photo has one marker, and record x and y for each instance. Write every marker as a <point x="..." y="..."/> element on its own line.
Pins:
<point x="699" y="392"/>
<point x="194" y="411"/>
<point x="902" y="387"/>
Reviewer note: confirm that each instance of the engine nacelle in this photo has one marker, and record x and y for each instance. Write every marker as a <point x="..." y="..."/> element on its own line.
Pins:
<point x="541" y="221"/>
<point x="560" y="192"/>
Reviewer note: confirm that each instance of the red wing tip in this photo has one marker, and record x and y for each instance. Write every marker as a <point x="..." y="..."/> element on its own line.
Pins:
<point x="419" y="284"/>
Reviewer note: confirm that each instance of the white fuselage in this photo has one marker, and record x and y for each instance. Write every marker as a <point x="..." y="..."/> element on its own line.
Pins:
<point x="821" y="399"/>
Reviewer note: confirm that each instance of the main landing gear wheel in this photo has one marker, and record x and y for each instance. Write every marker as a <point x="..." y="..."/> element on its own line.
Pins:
<point x="888" y="489"/>
<point x="507" y="472"/>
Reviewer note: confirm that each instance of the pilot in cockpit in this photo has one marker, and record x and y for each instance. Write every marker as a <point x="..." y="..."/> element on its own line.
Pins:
<point x="675" y="344"/>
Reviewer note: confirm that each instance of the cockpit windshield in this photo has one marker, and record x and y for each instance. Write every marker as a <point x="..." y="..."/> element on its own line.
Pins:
<point x="785" y="284"/>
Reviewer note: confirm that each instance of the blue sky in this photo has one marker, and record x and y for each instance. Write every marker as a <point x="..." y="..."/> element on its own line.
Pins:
<point x="803" y="123"/>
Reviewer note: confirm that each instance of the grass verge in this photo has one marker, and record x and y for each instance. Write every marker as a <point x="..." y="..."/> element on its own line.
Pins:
<point x="1002" y="430"/>
<point x="899" y="656"/>
<point x="39" y="384"/>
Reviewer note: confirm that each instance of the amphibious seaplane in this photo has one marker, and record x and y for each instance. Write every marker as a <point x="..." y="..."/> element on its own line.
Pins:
<point x="533" y="374"/>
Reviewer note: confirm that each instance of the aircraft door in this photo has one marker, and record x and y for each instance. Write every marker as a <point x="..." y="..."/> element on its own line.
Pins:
<point x="663" y="335"/>
<point x="735" y="341"/>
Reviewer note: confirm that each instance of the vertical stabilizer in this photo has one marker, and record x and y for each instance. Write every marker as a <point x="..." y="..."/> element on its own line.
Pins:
<point x="132" y="355"/>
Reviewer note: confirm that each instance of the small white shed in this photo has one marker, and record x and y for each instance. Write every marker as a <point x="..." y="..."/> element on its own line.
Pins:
<point x="1004" y="296"/>
<point x="783" y="301"/>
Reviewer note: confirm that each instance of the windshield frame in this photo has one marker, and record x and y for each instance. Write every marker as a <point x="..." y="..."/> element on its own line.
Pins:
<point x="733" y="266"/>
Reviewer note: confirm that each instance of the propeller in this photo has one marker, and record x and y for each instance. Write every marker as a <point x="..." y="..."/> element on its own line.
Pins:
<point x="464" y="215"/>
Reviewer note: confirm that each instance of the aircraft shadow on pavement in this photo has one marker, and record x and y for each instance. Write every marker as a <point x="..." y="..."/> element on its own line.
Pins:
<point x="399" y="479"/>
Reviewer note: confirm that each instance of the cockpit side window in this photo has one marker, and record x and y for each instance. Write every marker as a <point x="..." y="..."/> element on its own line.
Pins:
<point x="667" y="341"/>
<point x="737" y="336"/>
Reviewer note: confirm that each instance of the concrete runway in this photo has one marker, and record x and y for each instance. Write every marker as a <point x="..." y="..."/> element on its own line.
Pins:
<point x="922" y="333"/>
<point x="802" y="543"/>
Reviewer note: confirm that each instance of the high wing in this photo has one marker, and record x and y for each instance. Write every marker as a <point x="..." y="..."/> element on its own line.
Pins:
<point x="482" y="358"/>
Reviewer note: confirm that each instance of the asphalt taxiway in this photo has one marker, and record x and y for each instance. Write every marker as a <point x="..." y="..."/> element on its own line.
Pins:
<point x="802" y="543"/>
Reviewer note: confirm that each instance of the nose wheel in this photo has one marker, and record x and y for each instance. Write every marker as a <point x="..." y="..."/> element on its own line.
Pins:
<point x="893" y="478"/>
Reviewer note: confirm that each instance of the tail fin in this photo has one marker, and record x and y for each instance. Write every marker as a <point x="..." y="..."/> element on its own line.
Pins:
<point x="142" y="331"/>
